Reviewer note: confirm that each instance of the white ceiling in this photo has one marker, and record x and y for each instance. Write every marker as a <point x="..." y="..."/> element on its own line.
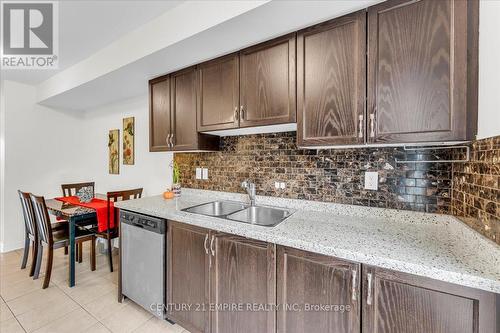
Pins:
<point x="87" y="26"/>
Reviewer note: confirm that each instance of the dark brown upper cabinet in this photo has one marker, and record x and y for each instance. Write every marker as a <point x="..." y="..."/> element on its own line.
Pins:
<point x="396" y="302"/>
<point x="420" y="76"/>
<point x="331" y="84"/>
<point x="310" y="278"/>
<point x="255" y="87"/>
<point x="185" y="133"/>
<point x="159" y="114"/>
<point x="218" y="97"/>
<point x="173" y="110"/>
<point x="267" y="83"/>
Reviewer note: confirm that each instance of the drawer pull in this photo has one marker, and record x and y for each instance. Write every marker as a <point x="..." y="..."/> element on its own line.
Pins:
<point x="205" y="244"/>
<point x="242" y="112"/>
<point x="372" y="125"/>
<point x="369" y="292"/>
<point x="354" y="281"/>
<point x="360" y="134"/>
<point x="212" y="246"/>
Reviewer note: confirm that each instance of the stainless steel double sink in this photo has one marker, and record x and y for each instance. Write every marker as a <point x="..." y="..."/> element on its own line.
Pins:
<point x="240" y="212"/>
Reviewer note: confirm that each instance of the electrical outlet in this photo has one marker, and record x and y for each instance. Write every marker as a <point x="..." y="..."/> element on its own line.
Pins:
<point x="282" y="185"/>
<point x="198" y="173"/>
<point x="371" y="180"/>
<point x="277" y="185"/>
<point x="204" y="173"/>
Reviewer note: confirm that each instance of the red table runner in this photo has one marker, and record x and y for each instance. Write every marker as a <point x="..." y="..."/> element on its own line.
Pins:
<point x="101" y="208"/>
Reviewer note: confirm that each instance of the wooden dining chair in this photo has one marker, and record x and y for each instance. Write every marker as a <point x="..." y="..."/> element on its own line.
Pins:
<point x="112" y="233"/>
<point x="69" y="190"/>
<point x="54" y="239"/>
<point x="30" y="236"/>
<point x="31" y="232"/>
<point x="72" y="189"/>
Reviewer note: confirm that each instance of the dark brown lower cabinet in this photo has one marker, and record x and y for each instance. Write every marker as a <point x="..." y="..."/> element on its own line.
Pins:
<point x="221" y="283"/>
<point x="188" y="276"/>
<point x="396" y="302"/>
<point x="317" y="293"/>
<point x="242" y="285"/>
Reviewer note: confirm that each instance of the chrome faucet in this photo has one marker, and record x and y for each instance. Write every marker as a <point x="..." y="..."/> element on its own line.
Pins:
<point x="250" y="188"/>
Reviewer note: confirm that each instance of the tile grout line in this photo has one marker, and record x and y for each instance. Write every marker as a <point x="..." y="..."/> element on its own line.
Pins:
<point x="15" y="317"/>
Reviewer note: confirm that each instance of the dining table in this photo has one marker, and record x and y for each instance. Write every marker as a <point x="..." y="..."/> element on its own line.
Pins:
<point x="75" y="215"/>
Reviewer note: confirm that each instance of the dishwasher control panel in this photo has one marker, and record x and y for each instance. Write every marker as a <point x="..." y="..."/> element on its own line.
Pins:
<point x="149" y="223"/>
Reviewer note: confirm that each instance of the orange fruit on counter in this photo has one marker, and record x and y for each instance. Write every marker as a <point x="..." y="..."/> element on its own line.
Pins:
<point x="168" y="194"/>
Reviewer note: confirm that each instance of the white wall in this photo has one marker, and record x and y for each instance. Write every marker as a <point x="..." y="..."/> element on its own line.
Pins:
<point x="489" y="69"/>
<point x="151" y="171"/>
<point x="41" y="148"/>
<point x="44" y="148"/>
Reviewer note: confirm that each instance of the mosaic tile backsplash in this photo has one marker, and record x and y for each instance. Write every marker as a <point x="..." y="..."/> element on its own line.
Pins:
<point x="332" y="175"/>
<point x="476" y="188"/>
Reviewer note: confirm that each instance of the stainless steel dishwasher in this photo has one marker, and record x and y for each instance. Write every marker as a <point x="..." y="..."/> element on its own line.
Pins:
<point x="143" y="260"/>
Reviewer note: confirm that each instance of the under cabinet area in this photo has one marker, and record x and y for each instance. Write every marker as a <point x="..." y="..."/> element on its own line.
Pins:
<point x="223" y="283"/>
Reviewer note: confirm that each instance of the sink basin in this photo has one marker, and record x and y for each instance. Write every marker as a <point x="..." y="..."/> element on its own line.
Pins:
<point x="259" y="215"/>
<point x="216" y="208"/>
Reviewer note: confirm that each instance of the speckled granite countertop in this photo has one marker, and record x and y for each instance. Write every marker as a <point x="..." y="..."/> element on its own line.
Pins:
<point x="435" y="246"/>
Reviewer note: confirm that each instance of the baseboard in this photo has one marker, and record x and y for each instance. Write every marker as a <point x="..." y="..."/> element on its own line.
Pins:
<point x="10" y="247"/>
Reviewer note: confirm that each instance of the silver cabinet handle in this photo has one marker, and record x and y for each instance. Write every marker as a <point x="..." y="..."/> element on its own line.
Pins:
<point x="171" y="140"/>
<point x="205" y="245"/>
<point x="212" y="245"/>
<point x="372" y="125"/>
<point x="242" y="112"/>
<point x="354" y="282"/>
<point x="236" y="113"/>
<point x="369" y="292"/>
<point x="360" y="134"/>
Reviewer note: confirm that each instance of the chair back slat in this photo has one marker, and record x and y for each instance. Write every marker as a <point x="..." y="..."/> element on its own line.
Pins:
<point x="120" y="196"/>
<point x="42" y="219"/>
<point x="71" y="189"/>
<point x="28" y="214"/>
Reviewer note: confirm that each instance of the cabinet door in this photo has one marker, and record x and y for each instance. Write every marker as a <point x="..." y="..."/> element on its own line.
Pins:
<point x="305" y="279"/>
<point x="396" y="302"/>
<point x="184" y="109"/>
<point x="243" y="274"/>
<point x="188" y="276"/>
<point x="159" y="114"/>
<point x="417" y="71"/>
<point x="267" y="83"/>
<point x="218" y="95"/>
<point x="331" y="82"/>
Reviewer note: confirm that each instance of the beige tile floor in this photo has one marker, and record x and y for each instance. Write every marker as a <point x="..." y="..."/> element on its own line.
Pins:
<point x="90" y="306"/>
